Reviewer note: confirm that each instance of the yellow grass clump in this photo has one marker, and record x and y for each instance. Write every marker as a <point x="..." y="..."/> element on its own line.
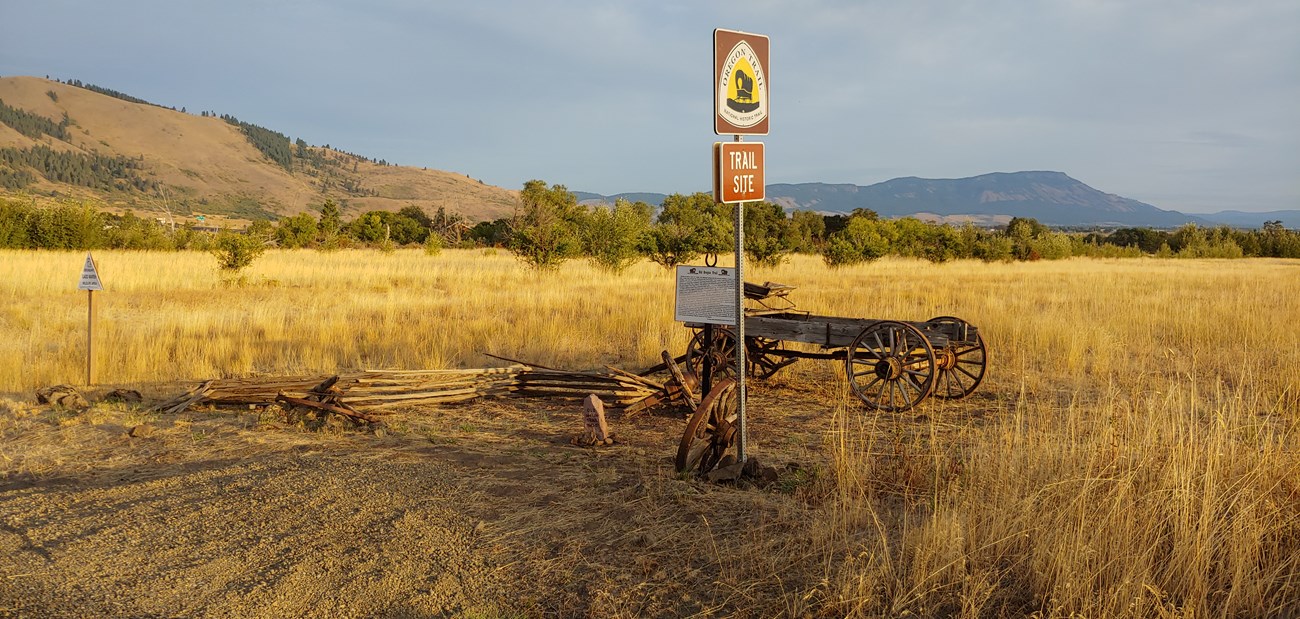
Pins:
<point x="1133" y="451"/>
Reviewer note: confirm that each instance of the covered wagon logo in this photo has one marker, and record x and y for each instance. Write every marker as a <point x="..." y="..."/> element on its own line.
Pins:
<point x="742" y="87"/>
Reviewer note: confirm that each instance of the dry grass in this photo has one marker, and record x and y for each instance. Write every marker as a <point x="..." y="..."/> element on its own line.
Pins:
<point x="1133" y="453"/>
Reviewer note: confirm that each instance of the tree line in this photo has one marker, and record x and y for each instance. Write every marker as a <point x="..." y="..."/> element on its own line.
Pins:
<point x="81" y="169"/>
<point x="33" y="125"/>
<point x="550" y="227"/>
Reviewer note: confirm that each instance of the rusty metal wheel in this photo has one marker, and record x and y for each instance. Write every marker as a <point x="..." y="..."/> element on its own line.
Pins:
<point x="722" y="351"/>
<point x="961" y="363"/>
<point x="891" y="366"/>
<point x="711" y="430"/>
<point x="763" y="358"/>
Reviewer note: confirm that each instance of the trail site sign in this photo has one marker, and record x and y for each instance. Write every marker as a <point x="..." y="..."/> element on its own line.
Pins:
<point x="740" y="83"/>
<point x="90" y="276"/>
<point x="738" y="172"/>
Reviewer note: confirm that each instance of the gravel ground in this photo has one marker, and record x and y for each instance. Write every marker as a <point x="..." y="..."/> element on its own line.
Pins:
<point x="482" y="511"/>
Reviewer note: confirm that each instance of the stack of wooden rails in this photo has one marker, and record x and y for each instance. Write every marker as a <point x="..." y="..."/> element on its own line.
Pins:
<point x="365" y="395"/>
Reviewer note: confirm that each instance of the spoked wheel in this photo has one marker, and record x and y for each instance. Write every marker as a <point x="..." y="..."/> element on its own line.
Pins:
<point x="711" y="430"/>
<point x="961" y="363"/>
<point x="722" y="351"/>
<point x="891" y="366"/>
<point x="763" y="356"/>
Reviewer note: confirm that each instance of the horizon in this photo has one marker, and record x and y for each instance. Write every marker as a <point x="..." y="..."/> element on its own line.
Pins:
<point x="1194" y="110"/>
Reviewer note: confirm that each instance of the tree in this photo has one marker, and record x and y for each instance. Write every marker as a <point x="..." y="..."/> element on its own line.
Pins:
<point x="235" y="251"/>
<point x="493" y="233"/>
<point x="331" y="219"/>
<point x="610" y="234"/>
<point x="417" y="215"/>
<point x="297" y="231"/>
<point x="370" y="228"/>
<point x="861" y="240"/>
<point x="808" y="231"/>
<point x="768" y="234"/>
<point x="687" y="227"/>
<point x="544" y="230"/>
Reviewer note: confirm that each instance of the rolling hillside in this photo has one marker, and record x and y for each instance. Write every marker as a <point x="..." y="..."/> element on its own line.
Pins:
<point x="204" y="164"/>
<point x="1051" y="197"/>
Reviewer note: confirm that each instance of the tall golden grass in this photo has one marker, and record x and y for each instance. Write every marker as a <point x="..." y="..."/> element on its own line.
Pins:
<point x="1134" y="451"/>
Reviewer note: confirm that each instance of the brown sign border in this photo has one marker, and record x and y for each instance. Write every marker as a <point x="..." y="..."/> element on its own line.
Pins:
<point x="723" y="41"/>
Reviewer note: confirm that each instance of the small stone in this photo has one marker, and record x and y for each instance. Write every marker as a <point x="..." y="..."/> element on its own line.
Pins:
<point x="129" y="396"/>
<point x="731" y="472"/>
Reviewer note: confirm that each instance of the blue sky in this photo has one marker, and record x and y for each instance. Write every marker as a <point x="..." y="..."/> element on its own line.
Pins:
<point x="1188" y="105"/>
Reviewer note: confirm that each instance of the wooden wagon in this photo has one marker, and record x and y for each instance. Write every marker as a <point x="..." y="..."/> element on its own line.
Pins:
<point x="891" y="365"/>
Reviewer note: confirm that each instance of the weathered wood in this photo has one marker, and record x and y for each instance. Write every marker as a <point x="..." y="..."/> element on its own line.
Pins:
<point x="329" y="408"/>
<point x="682" y="386"/>
<point x="355" y="397"/>
<point x="835" y="332"/>
<point x="633" y="377"/>
<point x="659" y="367"/>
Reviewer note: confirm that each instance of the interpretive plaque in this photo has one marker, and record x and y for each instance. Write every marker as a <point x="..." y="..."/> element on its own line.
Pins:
<point x="706" y="295"/>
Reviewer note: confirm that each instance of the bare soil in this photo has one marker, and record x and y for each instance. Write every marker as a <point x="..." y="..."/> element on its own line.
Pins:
<point x="483" y="509"/>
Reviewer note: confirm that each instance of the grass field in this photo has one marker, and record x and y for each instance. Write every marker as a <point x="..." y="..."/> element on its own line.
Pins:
<point x="1133" y="452"/>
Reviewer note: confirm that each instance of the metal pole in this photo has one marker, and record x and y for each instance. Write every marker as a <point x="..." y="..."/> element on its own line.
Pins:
<point x="90" y="338"/>
<point x="743" y="439"/>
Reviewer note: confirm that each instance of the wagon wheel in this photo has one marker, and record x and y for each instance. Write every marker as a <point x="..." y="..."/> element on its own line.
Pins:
<point x="711" y="430"/>
<point x="961" y="364"/>
<point x="891" y="366"/>
<point x="762" y="358"/>
<point x="722" y="351"/>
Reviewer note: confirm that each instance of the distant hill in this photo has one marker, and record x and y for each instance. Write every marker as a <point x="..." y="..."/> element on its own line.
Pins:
<point x="1240" y="219"/>
<point x="654" y="199"/>
<point x="58" y="140"/>
<point x="1052" y="198"/>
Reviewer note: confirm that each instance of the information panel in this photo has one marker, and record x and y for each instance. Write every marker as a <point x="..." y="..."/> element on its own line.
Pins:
<point x="706" y="295"/>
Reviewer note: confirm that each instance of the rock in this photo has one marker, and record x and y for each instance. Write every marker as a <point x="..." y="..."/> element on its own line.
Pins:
<point x="129" y="396"/>
<point x="143" y="430"/>
<point x="66" y="396"/>
<point x="593" y="417"/>
<point x="730" y="472"/>
<point x="759" y="474"/>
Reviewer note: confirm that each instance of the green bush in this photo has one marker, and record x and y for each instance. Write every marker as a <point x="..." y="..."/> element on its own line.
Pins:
<point x="862" y="240"/>
<point x="544" y="232"/>
<point x="235" y="251"/>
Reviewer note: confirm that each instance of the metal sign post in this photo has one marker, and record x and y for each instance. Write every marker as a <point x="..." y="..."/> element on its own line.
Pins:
<point x="742" y="439"/>
<point x="741" y="79"/>
<point x="90" y="282"/>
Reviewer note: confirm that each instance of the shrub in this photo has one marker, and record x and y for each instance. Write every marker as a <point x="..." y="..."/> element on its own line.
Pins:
<point x="235" y="251"/>
<point x="862" y="240"/>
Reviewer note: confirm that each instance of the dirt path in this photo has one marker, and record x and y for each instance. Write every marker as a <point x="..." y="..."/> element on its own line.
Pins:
<point x="481" y="510"/>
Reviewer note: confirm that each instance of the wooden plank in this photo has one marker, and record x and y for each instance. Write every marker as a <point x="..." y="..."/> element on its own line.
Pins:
<point x="355" y="397"/>
<point x="352" y="414"/>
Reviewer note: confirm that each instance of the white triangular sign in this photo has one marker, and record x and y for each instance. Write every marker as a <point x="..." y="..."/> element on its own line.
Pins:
<point x="90" y="276"/>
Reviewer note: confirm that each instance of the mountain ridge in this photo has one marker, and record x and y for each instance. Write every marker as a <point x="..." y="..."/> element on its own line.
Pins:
<point x="1051" y="197"/>
<point x="203" y="163"/>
